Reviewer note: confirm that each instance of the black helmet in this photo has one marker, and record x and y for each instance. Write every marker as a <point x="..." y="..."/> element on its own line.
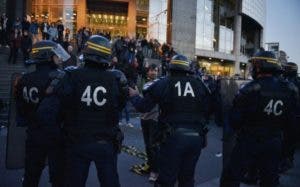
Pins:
<point x="179" y="63"/>
<point x="290" y="69"/>
<point x="43" y="51"/>
<point x="97" y="50"/>
<point x="264" y="62"/>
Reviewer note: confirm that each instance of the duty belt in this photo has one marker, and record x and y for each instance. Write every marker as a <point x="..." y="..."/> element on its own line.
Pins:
<point x="187" y="131"/>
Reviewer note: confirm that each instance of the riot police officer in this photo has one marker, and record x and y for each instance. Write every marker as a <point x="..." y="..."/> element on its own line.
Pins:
<point x="182" y="100"/>
<point x="290" y="73"/>
<point x="43" y="140"/>
<point x="92" y="97"/>
<point x="261" y="110"/>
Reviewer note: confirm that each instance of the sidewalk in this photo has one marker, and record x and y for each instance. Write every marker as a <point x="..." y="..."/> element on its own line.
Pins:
<point x="208" y="167"/>
<point x="207" y="173"/>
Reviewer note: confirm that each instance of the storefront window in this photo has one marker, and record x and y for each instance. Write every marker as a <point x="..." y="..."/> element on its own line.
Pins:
<point x="56" y="10"/>
<point x="108" y="17"/>
<point x="217" y="68"/>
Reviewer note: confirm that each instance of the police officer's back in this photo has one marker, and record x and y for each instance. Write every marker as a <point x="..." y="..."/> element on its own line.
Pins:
<point x="261" y="110"/>
<point x="290" y="70"/>
<point x="92" y="98"/>
<point x="40" y="143"/>
<point x="291" y="74"/>
<point x="182" y="99"/>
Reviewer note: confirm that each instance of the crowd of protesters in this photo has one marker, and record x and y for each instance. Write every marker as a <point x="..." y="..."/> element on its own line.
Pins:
<point x="128" y="53"/>
<point x="24" y="33"/>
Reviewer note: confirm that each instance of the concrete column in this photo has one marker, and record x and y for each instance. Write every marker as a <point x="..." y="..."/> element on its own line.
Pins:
<point x="257" y="40"/>
<point x="131" y="18"/>
<point x="216" y="18"/>
<point x="81" y="14"/>
<point x="237" y="35"/>
<point x="184" y="26"/>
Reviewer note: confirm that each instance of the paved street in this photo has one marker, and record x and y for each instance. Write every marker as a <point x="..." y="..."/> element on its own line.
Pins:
<point x="207" y="172"/>
<point x="208" y="168"/>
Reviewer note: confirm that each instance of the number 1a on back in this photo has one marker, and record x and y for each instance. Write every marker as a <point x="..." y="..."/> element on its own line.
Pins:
<point x="188" y="89"/>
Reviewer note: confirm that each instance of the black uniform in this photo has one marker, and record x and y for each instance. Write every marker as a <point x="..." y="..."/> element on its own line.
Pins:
<point x="42" y="140"/>
<point x="296" y="82"/>
<point x="183" y="103"/>
<point x="261" y="110"/>
<point x="292" y="136"/>
<point x="92" y="98"/>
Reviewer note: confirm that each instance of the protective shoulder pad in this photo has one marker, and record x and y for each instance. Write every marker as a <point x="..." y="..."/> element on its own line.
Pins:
<point x="297" y="81"/>
<point x="293" y="87"/>
<point x="149" y="84"/>
<point x="252" y="86"/>
<point x="119" y="75"/>
<point x="56" y="77"/>
<point x="157" y="83"/>
<point x="207" y="89"/>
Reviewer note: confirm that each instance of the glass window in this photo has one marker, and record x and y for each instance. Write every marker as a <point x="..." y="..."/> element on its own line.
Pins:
<point x="225" y="40"/>
<point x="204" y="25"/>
<point x="158" y="20"/>
<point x="55" y="10"/>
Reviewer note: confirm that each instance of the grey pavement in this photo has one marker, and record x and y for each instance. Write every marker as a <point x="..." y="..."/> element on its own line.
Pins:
<point x="207" y="173"/>
<point x="208" y="167"/>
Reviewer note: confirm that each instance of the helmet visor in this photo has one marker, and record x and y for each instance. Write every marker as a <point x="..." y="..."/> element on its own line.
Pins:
<point x="61" y="52"/>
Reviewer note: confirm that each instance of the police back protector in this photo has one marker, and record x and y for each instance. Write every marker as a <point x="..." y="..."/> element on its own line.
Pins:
<point x="184" y="101"/>
<point x="29" y="92"/>
<point x="93" y="110"/>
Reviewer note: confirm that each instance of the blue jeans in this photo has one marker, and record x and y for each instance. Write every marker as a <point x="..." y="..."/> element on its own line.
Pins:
<point x="178" y="157"/>
<point x="248" y="151"/>
<point x="79" y="158"/>
<point x="126" y="114"/>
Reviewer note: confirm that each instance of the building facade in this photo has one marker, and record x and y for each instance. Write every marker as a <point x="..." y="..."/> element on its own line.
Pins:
<point x="220" y="34"/>
<point x="118" y="17"/>
<point x="228" y="32"/>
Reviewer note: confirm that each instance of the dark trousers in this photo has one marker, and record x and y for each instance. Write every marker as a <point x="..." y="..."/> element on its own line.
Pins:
<point x="178" y="157"/>
<point x="3" y="37"/>
<point x="249" y="151"/>
<point x="288" y="146"/>
<point x="25" y="56"/>
<point x="45" y="36"/>
<point x="79" y="158"/>
<point x="148" y="129"/>
<point x="13" y="55"/>
<point x="39" y="147"/>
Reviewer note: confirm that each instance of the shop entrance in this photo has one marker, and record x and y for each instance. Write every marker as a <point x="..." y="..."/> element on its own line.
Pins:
<point x="108" y="17"/>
